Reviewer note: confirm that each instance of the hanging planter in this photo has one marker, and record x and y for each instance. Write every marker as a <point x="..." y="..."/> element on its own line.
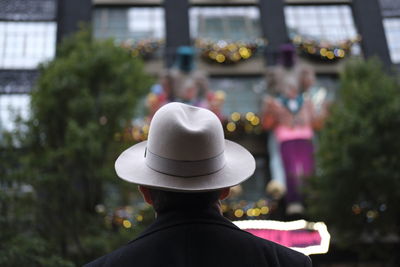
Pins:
<point x="146" y="48"/>
<point x="324" y="50"/>
<point x="227" y="53"/>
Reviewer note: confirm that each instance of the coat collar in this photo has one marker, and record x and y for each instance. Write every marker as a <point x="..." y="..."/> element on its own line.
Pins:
<point x="177" y="217"/>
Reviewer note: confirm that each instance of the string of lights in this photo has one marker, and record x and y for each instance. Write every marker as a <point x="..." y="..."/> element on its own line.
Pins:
<point x="324" y="50"/>
<point x="248" y="123"/>
<point x="236" y="124"/>
<point x="227" y="52"/>
<point x="131" y="216"/>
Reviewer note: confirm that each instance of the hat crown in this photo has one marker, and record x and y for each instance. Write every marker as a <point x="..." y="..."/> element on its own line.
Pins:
<point x="182" y="132"/>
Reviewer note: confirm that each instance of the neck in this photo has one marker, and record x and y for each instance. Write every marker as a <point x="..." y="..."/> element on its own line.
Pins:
<point x="191" y="210"/>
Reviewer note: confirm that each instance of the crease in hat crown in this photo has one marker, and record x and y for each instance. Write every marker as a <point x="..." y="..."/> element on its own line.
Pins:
<point x="185" y="133"/>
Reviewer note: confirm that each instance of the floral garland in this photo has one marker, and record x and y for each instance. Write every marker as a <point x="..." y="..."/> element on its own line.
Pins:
<point x="225" y="52"/>
<point x="324" y="50"/>
<point x="145" y="48"/>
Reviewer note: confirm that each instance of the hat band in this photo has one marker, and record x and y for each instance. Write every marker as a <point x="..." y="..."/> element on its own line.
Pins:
<point x="184" y="168"/>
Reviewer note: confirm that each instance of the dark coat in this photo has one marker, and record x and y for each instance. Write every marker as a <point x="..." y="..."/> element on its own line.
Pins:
<point x="203" y="239"/>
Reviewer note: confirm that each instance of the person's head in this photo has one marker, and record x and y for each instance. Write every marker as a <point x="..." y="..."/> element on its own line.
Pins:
<point x="162" y="200"/>
<point x="189" y="90"/>
<point x="290" y="87"/>
<point x="186" y="152"/>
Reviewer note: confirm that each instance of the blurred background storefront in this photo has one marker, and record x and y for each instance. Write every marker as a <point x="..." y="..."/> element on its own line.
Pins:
<point x="234" y="43"/>
<point x="29" y="31"/>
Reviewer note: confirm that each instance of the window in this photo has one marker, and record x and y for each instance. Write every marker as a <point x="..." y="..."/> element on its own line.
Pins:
<point x="324" y="90"/>
<point x="225" y="23"/>
<point x="333" y="23"/>
<point x="28" y="10"/>
<point x="241" y="94"/>
<point x="254" y="188"/>
<point x="17" y="81"/>
<point x="12" y="105"/>
<point x="390" y="8"/>
<point x="244" y="95"/>
<point x="23" y="45"/>
<point x="135" y="23"/>
<point x="392" y="30"/>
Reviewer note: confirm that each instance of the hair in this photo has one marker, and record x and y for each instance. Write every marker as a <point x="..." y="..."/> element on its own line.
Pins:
<point x="168" y="200"/>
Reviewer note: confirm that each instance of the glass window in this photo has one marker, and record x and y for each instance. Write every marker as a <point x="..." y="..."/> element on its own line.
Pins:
<point x="225" y="23"/>
<point x="254" y="188"/>
<point x="245" y="94"/>
<point x="242" y="94"/>
<point x="17" y="81"/>
<point x="129" y="23"/>
<point x="390" y="8"/>
<point x="333" y="23"/>
<point x="324" y="90"/>
<point x="392" y="30"/>
<point x="23" y="45"/>
<point x="12" y="105"/>
<point x="28" y="10"/>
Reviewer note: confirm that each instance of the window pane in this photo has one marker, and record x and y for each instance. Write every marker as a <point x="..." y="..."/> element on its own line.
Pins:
<point x="17" y="81"/>
<point x="390" y="8"/>
<point x="324" y="90"/>
<point x="332" y="23"/>
<point x="392" y="30"/>
<point x="28" y="10"/>
<point x="136" y="23"/>
<point x="225" y="23"/>
<point x="214" y="28"/>
<point x="10" y="107"/>
<point x="242" y="94"/>
<point x="23" y="45"/>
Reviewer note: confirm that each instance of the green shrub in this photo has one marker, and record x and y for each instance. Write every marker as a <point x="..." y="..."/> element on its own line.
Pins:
<point x="66" y="150"/>
<point x="357" y="188"/>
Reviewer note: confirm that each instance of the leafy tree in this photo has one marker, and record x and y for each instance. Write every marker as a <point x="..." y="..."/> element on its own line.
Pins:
<point x="356" y="190"/>
<point x="67" y="149"/>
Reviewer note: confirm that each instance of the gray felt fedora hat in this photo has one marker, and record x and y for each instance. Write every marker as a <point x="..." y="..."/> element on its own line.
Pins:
<point x="185" y="151"/>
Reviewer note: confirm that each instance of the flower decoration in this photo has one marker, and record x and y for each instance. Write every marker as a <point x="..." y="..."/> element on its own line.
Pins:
<point x="226" y="52"/>
<point x="145" y="48"/>
<point x="324" y="50"/>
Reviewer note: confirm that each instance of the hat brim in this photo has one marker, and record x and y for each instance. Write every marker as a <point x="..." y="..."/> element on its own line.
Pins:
<point x="239" y="166"/>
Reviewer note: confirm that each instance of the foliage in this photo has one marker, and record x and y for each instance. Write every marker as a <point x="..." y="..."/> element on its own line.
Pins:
<point x="23" y="250"/>
<point x="83" y="98"/>
<point x="356" y="188"/>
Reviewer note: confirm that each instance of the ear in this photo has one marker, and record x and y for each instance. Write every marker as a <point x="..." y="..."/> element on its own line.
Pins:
<point x="145" y="194"/>
<point x="224" y="193"/>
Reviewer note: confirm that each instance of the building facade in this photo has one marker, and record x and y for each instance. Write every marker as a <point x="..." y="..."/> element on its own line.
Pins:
<point x="265" y="24"/>
<point x="29" y="31"/>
